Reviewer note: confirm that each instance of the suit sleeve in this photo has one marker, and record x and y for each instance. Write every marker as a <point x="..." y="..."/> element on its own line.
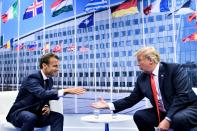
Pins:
<point x="127" y="102"/>
<point x="182" y="88"/>
<point x="33" y="86"/>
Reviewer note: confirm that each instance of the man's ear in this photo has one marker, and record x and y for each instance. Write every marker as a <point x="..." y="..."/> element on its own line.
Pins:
<point x="44" y="65"/>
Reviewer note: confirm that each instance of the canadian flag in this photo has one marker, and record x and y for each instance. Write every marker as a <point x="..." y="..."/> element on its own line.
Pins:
<point x="57" y="48"/>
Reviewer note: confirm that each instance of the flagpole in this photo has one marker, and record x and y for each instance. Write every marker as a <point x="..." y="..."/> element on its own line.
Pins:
<point x="75" y="38"/>
<point x="143" y="35"/>
<point x="2" y="50"/>
<point x="110" y="50"/>
<point x="95" y="88"/>
<point x="17" y="73"/>
<point x="173" y="30"/>
<point x="44" y="22"/>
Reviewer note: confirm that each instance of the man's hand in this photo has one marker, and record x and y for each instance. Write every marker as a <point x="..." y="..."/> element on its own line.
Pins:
<point x="164" y="125"/>
<point x="75" y="90"/>
<point x="101" y="104"/>
<point x="46" y="110"/>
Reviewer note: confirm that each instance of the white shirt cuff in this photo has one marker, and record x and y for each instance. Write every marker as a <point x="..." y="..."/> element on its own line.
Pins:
<point x="60" y="93"/>
<point x="167" y="118"/>
<point x="111" y="106"/>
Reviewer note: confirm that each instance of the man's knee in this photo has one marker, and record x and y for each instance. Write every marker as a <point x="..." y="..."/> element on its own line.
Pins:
<point x="137" y="116"/>
<point x="57" y="116"/>
<point x="31" y="118"/>
<point x="178" y="119"/>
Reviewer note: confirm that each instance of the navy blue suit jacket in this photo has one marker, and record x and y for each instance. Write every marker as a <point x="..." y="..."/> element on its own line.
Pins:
<point x="175" y="87"/>
<point x="32" y="96"/>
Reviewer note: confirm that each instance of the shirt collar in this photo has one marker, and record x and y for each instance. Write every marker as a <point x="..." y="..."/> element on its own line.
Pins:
<point x="156" y="70"/>
<point x="43" y="75"/>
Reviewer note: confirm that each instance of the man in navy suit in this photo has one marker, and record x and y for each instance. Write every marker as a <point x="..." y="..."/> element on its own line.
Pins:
<point x="169" y="90"/>
<point x="31" y="107"/>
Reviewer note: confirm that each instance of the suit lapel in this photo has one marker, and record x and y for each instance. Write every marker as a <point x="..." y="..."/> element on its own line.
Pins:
<point x="162" y="76"/>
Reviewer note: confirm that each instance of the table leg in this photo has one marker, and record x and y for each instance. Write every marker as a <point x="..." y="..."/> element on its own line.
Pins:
<point x="106" y="126"/>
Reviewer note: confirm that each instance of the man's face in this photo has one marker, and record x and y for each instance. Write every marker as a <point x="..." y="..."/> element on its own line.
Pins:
<point x="52" y="68"/>
<point x="145" y="64"/>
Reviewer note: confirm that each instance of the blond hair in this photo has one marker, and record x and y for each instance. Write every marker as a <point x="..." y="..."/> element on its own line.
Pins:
<point x="149" y="53"/>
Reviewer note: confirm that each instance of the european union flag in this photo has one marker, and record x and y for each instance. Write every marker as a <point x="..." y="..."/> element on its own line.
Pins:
<point x="87" y="22"/>
<point x="34" y="9"/>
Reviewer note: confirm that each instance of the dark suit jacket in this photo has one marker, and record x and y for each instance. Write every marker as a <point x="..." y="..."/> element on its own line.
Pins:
<point x="175" y="87"/>
<point x="32" y="96"/>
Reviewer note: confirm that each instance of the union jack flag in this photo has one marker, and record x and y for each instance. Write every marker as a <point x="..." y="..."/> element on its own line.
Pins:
<point x="34" y="9"/>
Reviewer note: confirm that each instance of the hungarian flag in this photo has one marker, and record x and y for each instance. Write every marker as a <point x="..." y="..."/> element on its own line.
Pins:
<point x="60" y="6"/>
<point x="127" y="7"/>
<point x="57" y="48"/>
<point x="11" y="13"/>
<point x="192" y="37"/>
<point x="192" y="17"/>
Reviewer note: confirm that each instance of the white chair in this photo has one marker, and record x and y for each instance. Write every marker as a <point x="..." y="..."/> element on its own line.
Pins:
<point x="7" y="99"/>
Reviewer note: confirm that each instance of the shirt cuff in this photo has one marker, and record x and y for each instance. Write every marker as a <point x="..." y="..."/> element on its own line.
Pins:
<point x="60" y="93"/>
<point x="167" y="118"/>
<point x="111" y="106"/>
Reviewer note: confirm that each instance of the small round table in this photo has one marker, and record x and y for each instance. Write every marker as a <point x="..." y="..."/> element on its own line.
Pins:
<point x="106" y="118"/>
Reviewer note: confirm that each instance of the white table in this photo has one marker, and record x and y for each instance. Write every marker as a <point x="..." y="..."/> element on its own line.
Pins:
<point x="106" y="118"/>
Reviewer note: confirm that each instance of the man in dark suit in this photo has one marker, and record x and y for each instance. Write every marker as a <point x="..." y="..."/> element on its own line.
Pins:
<point x="31" y="107"/>
<point x="169" y="90"/>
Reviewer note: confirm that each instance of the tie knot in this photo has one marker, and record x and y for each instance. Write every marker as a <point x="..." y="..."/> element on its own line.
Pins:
<point x="152" y="75"/>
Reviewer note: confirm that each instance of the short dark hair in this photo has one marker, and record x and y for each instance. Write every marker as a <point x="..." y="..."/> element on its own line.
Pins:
<point x="45" y="58"/>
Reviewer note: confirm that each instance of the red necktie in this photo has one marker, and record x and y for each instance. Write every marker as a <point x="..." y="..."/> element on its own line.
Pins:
<point x="153" y="86"/>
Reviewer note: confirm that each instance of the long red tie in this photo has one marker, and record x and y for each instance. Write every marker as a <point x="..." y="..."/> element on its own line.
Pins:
<point x="153" y="86"/>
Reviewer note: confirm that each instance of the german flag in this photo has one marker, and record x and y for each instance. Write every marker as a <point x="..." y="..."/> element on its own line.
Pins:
<point x="127" y="7"/>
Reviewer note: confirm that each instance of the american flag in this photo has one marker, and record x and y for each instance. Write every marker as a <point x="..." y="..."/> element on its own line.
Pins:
<point x="71" y="48"/>
<point x="84" y="49"/>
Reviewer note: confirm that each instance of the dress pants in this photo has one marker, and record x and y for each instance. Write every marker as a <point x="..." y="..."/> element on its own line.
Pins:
<point x="183" y="120"/>
<point x="27" y="121"/>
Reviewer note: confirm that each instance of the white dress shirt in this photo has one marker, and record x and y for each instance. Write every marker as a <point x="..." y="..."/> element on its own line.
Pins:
<point x="60" y="92"/>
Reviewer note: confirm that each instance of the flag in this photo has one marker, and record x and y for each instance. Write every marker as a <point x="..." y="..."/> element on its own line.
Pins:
<point x="193" y="16"/>
<point x="96" y="5"/>
<point x="34" y="9"/>
<point x="84" y="49"/>
<point x="1" y="42"/>
<point x="157" y="6"/>
<point x="71" y="48"/>
<point x="11" y="13"/>
<point x="9" y="44"/>
<point x="192" y="37"/>
<point x="57" y="48"/>
<point x="127" y="7"/>
<point x="31" y="47"/>
<point x="19" y="47"/>
<point x="183" y="9"/>
<point x="87" y="22"/>
<point x="60" y="6"/>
